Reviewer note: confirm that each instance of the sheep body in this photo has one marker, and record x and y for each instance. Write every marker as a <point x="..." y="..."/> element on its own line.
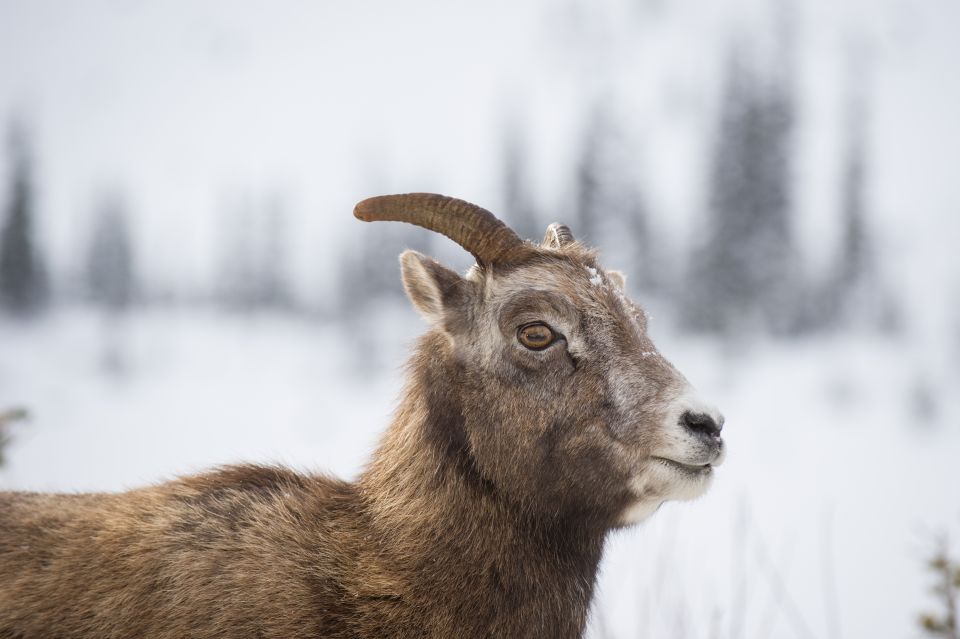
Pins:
<point x="535" y="419"/>
<point x="415" y="548"/>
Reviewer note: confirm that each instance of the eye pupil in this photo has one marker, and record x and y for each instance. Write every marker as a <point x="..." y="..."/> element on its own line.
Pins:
<point x="536" y="336"/>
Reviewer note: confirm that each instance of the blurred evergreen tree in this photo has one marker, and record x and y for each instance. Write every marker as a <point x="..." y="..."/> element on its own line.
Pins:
<point x="8" y="417"/>
<point x="237" y="265"/>
<point x="588" y="177"/>
<point x="23" y="281"/>
<point x="253" y="267"/>
<point x="110" y="267"/>
<point x="743" y="274"/>
<point x="370" y="270"/>
<point x="609" y="207"/>
<point x="519" y="207"/>
<point x="856" y="256"/>
<point x="854" y="293"/>
<point x="273" y="282"/>
<point x="368" y="281"/>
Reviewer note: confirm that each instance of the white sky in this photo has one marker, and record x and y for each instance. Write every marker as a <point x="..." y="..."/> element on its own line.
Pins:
<point x="188" y="106"/>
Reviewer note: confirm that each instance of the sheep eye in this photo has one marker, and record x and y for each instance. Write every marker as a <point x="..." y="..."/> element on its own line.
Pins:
<point x="536" y="337"/>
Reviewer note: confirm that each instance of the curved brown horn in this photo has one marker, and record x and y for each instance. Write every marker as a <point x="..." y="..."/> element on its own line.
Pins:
<point x="472" y="227"/>
<point x="557" y="235"/>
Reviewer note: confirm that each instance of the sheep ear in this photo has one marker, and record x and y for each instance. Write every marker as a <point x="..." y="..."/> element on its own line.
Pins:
<point x="618" y="278"/>
<point x="433" y="288"/>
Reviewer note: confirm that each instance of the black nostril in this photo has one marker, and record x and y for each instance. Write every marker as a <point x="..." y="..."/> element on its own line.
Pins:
<point x="702" y="423"/>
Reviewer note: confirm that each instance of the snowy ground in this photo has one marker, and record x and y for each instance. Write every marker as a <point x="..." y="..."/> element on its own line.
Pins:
<point x="842" y="466"/>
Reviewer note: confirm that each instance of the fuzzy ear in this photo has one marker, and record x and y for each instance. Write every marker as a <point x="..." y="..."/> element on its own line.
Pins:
<point x="433" y="288"/>
<point x="618" y="278"/>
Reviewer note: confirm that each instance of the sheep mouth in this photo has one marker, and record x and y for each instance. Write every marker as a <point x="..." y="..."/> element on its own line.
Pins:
<point x="690" y="470"/>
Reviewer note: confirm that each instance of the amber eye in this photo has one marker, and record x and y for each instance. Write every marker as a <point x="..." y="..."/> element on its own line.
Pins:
<point x="535" y="336"/>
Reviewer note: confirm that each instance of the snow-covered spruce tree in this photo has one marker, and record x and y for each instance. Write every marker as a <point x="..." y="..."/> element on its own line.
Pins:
<point x="236" y="264"/>
<point x="588" y="175"/>
<point x="519" y="204"/>
<point x="23" y="282"/>
<point x="253" y="265"/>
<point x="856" y="263"/>
<point x="364" y="277"/>
<point x="854" y="292"/>
<point x="366" y="284"/>
<point x="8" y="417"/>
<point x="609" y="207"/>
<point x="743" y="272"/>
<point x="272" y="272"/>
<point x="110" y="280"/>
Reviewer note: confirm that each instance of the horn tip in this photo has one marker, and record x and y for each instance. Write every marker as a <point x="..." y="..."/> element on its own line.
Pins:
<point x="362" y="211"/>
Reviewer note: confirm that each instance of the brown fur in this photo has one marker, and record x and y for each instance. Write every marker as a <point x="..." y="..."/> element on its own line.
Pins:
<point x="482" y="514"/>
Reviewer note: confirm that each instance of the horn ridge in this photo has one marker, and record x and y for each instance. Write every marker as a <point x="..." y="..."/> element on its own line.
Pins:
<point x="474" y="228"/>
<point x="558" y="235"/>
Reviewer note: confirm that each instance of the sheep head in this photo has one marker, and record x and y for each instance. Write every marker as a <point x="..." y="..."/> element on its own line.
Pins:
<point x="569" y="409"/>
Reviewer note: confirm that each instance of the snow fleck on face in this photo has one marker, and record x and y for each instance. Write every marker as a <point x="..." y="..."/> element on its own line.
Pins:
<point x="595" y="277"/>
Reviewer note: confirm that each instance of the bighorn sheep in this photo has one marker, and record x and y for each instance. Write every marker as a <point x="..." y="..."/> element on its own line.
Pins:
<point x="537" y="417"/>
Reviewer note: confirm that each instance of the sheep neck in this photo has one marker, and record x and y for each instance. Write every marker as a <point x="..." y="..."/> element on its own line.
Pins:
<point x="448" y="542"/>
